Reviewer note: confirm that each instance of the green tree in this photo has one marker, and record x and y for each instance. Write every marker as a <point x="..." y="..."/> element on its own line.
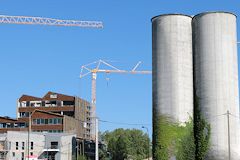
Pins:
<point x="127" y="144"/>
<point x="82" y="157"/>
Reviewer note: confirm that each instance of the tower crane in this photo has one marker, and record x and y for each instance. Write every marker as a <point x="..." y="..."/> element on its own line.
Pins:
<point x="49" y="21"/>
<point x="27" y="20"/>
<point x="86" y="70"/>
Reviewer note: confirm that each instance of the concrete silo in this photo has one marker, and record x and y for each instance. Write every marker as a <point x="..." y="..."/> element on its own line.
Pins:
<point x="216" y="81"/>
<point x="172" y="75"/>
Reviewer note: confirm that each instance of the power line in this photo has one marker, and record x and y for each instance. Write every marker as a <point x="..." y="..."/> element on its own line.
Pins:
<point x="122" y="123"/>
<point x="234" y="115"/>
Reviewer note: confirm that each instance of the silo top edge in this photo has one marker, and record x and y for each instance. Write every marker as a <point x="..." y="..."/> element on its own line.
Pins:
<point x="211" y="12"/>
<point x="171" y="14"/>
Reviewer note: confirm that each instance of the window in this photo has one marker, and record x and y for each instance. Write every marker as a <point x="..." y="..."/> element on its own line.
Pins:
<point x="59" y="121"/>
<point x="16" y="145"/>
<point x="31" y="145"/>
<point x="50" y="121"/>
<point x="53" y="103"/>
<point x="23" y="145"/>
<point x="54" y="145"/>
<point x="22" y="125"/>
<point x="26" y="114"/>
<point x="54" y="120"/>
<point x="68" y="103"/>
<point x="31" y="153"/>
<point x="13" y="154"/>
<point x="42" y="121"/>
<point x="22" y="156"/>
<point x="59" y="103"/>
<point x="46" y="121"/>
<point x="34" y="121"/>
<point x="38" y="121"/>
<point x="15" y="125"/>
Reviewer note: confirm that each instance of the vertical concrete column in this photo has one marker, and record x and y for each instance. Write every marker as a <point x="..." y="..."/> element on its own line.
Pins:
<point x="172" y="80"/>
<point x="216" y="80"/>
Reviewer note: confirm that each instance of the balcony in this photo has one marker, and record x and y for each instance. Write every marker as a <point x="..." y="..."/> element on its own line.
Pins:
<point x="52" y="148"/>
<point x="48" y="109"/>
<point x="4" y="130"/>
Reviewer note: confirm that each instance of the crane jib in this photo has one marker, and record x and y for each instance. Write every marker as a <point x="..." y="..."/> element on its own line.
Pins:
<point x="49" y="21"/>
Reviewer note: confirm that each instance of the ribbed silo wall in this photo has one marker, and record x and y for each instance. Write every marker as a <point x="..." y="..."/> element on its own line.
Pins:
<point x="216" y="80"/>
<point x="172" y="80"/>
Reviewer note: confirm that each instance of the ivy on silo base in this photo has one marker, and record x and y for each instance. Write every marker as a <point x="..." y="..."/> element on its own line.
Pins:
<point x="173" y="140"/>
<point x="202" y="132"/>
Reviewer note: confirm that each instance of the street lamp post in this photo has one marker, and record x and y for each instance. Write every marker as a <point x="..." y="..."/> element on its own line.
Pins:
<point x="29" y="131"/>
<point x="148" y="141"/>
<point x="96" y="138"/>
<point x="229" y="141"/>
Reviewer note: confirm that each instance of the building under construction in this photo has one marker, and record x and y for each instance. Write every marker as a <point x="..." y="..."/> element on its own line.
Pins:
<point x="52" y="113"/>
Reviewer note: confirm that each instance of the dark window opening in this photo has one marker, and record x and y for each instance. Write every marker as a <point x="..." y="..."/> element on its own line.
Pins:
<point x="71" y="114"/>
<point x="54" y="145"/>
<point x="46" y="121"/>
<point x="22" y="156"/>
<point x="31" y="145"/>
<point x="23" y="145"/>
<point x="68" y="103"/>
<point x="16" y="145"/>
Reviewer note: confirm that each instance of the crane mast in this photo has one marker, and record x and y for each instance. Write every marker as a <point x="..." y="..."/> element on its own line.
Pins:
<point x="49" y="21"/>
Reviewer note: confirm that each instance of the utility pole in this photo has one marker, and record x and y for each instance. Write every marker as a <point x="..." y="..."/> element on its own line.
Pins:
<point x="69" y="151"/>
<point x="148" y="141"/>
<point x="96" y="139"/>
<point x="229" y="140"/>
<point x="47" y="152"/>
<point x="29" y="130"/>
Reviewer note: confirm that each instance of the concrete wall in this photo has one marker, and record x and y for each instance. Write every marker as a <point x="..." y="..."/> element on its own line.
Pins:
<point x="64" y="145"/>
<point x="13" y="137"/>
<point x="216" y="79"/>
<point x="172" y="78"/>
<point x="172" y="67"/>
<point x="72" y="125"/>
<point x="42" y="144"/>
<point x="81" y="112"/>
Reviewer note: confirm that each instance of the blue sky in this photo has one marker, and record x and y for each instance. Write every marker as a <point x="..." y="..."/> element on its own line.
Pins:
<point x="36" y="59"/>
